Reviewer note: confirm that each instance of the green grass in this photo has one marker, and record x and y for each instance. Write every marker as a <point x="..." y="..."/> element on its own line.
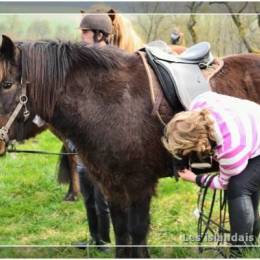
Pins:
<point x="32" y="210"/>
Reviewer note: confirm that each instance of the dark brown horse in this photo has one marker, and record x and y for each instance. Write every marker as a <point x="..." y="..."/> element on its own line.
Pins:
<point x="67" y="171"/>
<point x="100" y="99"/>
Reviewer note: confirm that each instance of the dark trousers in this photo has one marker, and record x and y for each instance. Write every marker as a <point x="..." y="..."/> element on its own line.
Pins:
<point x="243" y="200"/>
<point x="96" y="208"/>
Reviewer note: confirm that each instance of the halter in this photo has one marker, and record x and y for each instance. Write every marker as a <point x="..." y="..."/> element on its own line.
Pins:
<point x="23" y="99"/>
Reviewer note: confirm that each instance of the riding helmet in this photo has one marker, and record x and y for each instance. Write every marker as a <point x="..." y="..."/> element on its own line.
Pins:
<point x="99" y="22"/>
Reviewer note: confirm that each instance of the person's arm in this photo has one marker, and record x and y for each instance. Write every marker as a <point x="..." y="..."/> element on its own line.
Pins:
<point x="217" y="182"/>
<point x="231" y="163"/>
<point x="203" y="180"/>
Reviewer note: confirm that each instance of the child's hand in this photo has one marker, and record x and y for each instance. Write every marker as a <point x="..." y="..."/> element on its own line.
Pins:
<point x="187" y="175"/>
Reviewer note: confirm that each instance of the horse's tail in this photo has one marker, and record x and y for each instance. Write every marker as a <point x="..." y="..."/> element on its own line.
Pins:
<point x="63" y="167"/>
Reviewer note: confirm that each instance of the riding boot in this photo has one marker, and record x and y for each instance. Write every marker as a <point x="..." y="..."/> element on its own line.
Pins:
<point x="99" y="231"/>
<point x="104" y="227"/>
<point x="93" y="225"/>
<point x="95" y="206"/>
<point x="88" y="192"/>
<point x="93" y="229"/>
<point x="103" y="214"/>
<point x="241" y="214"/>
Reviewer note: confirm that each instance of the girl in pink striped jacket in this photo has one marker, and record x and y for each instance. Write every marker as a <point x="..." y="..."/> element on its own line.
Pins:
<point x="229" y="129"/>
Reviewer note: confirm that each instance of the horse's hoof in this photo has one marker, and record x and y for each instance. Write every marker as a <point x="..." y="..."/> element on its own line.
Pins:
<point x="2" y="148"/>
<point x="71" y="197"/>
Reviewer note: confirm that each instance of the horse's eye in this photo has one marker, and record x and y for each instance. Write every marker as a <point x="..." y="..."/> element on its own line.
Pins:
<point x="7" y="84"/>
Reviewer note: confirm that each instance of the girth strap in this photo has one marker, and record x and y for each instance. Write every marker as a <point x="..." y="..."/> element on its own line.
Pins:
<point x="148" y="73"/>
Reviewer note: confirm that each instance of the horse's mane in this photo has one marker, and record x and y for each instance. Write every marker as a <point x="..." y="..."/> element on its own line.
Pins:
<point x="125" y="36"/>
<point x="48" y="64"/>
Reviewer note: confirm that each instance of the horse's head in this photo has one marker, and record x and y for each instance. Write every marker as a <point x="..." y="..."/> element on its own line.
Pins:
<point x="11" y="93"/>
<point x="124" y="35"/>
<point x="9" y="76"/>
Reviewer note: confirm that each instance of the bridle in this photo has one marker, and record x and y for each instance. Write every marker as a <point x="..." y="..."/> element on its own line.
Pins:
<point x="23" y="100"/>
<point x="22" y="104"/>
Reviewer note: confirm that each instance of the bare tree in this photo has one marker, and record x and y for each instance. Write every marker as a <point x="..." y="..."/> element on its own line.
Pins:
<point x="193" y="7"/>
<point x="236" y="17"/>
<point x="153" y="26"/>
<point x="257" y="11"/>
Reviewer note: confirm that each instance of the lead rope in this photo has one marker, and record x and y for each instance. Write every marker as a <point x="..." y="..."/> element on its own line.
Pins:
<point x="206" y="220"/>
<point x="12" y="149"/>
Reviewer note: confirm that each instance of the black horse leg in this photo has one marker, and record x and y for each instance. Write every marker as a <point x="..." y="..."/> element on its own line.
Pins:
<point x="119" y="218"/>
<point x="139" y="220"/>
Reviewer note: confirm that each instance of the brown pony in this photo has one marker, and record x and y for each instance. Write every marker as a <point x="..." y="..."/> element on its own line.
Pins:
<point x="124" y="36"/>
<point x="100" y="99"/>
<point x="67" y="172"/>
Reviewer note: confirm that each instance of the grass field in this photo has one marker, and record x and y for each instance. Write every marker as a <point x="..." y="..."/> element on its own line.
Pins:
<point x="32" y="211"/>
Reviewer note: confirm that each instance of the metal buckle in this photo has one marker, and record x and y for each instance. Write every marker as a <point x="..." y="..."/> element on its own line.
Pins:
<point x="26" y="114"/>
<point x="23" y="99"/>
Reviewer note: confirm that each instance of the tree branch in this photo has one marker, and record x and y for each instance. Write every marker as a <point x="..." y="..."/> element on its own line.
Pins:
<point x="241" y="28"/>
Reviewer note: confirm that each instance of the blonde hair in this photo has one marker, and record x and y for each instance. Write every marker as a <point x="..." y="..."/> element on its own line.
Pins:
<point x="190" y="131"/>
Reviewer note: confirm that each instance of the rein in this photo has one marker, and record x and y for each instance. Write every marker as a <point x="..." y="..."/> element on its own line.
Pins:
<point x="206" y="224"/>
<point x="14" y="150"/>
<point x="23" y="99"/>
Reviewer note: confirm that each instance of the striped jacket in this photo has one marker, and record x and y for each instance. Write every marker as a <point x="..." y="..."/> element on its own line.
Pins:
<point x="237" y="128"/>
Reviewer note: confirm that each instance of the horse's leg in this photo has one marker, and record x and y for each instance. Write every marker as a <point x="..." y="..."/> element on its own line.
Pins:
<point x="71" y="162"/>
<point x="64" y="174"/>
<point x="119" y="217"/>
<point x="139" y="221"/>
<point x="74" y="187"/>
<point x="73" y="178"/>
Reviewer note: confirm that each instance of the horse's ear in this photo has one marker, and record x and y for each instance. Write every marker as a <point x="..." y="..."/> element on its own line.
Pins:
<point x="7" y="48"/>
<point x="112" y="14"/>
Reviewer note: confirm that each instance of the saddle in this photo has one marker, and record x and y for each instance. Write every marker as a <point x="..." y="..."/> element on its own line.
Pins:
<point x="180" y="76"/>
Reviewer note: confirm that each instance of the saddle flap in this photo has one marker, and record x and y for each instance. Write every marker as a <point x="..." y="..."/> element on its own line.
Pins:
<point x="188" y="80"/>
<point x="180" y="82"/>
